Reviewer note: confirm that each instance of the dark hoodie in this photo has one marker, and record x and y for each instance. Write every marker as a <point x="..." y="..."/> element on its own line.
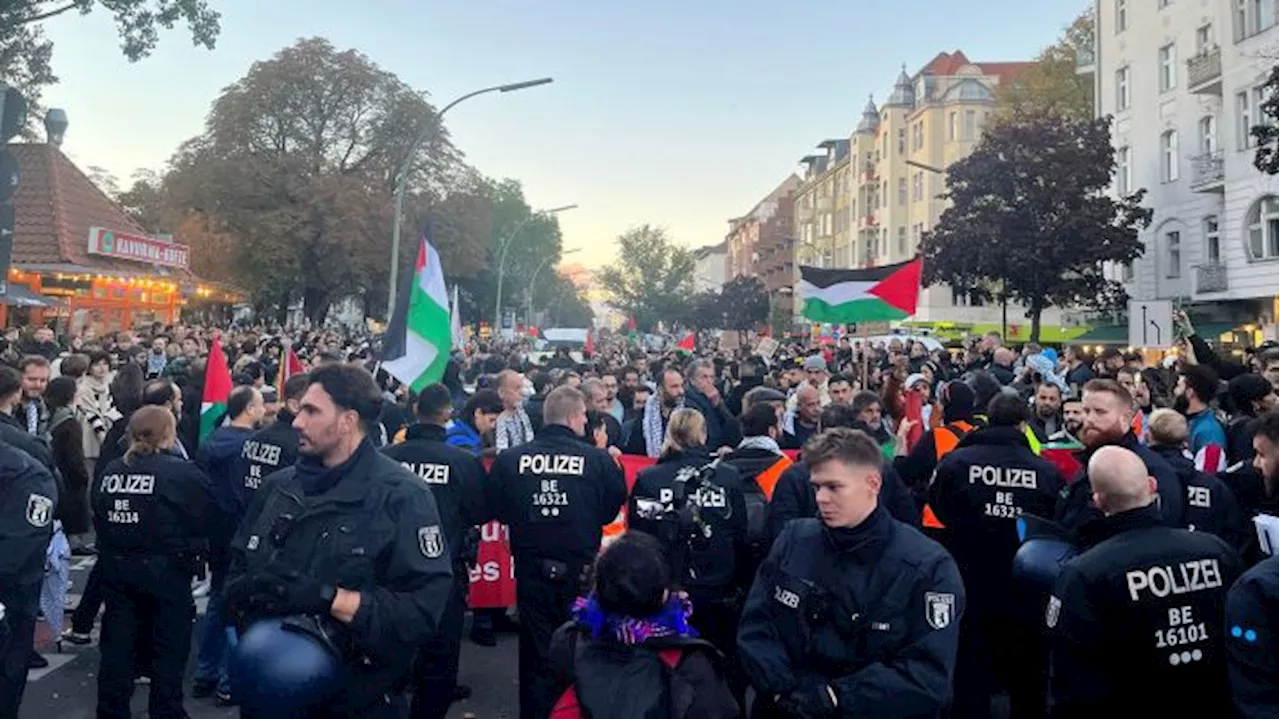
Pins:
<point x="218" y="458"/>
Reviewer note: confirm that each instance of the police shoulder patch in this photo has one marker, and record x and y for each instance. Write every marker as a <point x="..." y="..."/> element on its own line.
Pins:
<point x="939" y="609"/>
<point x="39" y="510"/>
<point x="1051" y="612"/>
<point x="431" y="541"/>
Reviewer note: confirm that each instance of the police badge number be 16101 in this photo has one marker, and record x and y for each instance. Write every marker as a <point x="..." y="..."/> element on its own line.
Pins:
<point x="431" y="541"/>
<point x="939" y="609"/>
<point x="39" y="510"/>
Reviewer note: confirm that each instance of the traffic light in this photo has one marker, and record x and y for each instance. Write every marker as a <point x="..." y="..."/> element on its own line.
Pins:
<point x="13" y="117"/>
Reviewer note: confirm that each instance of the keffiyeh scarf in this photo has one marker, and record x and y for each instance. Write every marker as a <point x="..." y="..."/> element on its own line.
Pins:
<point x="654" y="426"/>
<point x="672" y="620"/>
<point x="513" y="430"/>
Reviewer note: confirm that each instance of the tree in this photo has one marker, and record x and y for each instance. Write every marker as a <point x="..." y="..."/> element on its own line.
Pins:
<point x="1052" y="85"/>
<point x="297" y="163"/>
<point x="651" y="278"/>
<point x="704" y="310"/>
<point x="26" y="54"/>
<point x="1266" y="158"/>
<point x="1031" y="220"/>
<point x="745" y="303"/>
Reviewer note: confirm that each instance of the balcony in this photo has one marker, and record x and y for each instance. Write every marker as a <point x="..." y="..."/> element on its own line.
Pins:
<point x="869" y="172"/>
<point x="1086" y="60"/>
<point x="1211" y="278"/>
<point x="1204" y="72"/>
<point x="1207" y="172"/>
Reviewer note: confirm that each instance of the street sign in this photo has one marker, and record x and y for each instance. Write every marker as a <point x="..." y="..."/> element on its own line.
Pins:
<point x="1151" y="324"/>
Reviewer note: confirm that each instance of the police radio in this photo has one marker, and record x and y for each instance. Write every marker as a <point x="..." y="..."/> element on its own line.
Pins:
<point x="683" y="524"/>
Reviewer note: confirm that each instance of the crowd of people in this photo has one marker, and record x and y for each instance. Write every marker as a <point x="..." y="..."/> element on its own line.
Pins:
<point x="838" y="529"/>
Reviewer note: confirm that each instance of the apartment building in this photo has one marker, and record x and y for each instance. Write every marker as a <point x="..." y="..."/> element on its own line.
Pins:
<point x="710" y="267"/>
<point x="760" y="242"/>
<point x="870" y="198"/>
<point x="1184" y="81"/>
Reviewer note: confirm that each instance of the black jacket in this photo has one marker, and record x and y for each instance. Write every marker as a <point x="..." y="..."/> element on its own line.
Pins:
<point x="1252" y="647"/>
<point x="979" y="491"/>
<point x="270" y="449"/>
<point x="28" y="502"/>
<point x="733" y="400"/>
<point x="153" y="505"/>
<point x="1211" y="507"/>
<point x="555" y="494"/>
<point x="13" y="432"/>
<point x="873" y="612"/>
<point x="711" y="565"/>
<point x="374" y="530"/>
<point x="1075" y="506"/>
<point x="454" y="476"/>
<point x="795" y="498"/>
<point x="1141" y="611"/>
<point x="217" y="458"/>
<point x="722" y="426"/>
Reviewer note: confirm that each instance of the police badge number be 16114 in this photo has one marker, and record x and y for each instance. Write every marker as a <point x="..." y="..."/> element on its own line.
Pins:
<point x="431" y="541"/>
<point x="939" y="609"/>
<point x="39" y="510"/>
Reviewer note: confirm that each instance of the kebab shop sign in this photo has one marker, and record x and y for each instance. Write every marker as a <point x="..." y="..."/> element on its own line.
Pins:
<point x="137" y="248"/>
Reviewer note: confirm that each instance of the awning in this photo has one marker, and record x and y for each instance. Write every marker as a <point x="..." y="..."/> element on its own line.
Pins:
<point x="20" y="296"/>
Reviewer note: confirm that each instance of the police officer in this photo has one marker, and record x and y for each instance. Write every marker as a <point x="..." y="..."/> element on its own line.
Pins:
<point x="28" y="499"/>
<point x="555" y="494"/>
<point x="852" y="613"/>
<point x="271" y="448"/>
<point x="978" y="491"/>
<point x="1136" y="620"/>
<point x="709" y="554"/>
<point x="350" y="538"/>
<point x="1211" y="506"/>
<point x="153" y="511"/>
<point x="455" y="478"/>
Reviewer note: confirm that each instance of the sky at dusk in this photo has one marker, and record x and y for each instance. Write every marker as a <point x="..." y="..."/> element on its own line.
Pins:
<point x="677" y="114"/>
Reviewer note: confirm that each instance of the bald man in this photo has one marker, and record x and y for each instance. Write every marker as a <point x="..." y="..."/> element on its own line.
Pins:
<point x="1136" y="620"/>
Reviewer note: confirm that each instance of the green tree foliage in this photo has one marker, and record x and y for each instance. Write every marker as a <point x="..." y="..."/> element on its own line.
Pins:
<point x="1031" y="216"/>
<point x="652" y="278"/>
<point x="1266" y="158"/>
<point x="745" y="303"/>
<point x="1051" y="85"/>
<point x="26" y="54"/>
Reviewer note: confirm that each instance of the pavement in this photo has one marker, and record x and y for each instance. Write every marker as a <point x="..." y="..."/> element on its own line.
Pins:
<point x="67" y="689"/>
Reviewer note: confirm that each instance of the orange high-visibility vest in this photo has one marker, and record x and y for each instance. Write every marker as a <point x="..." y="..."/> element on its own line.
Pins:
<point x="615" y="529"/>
<point x="768" y="479"/>
<point x="945" y="439"/>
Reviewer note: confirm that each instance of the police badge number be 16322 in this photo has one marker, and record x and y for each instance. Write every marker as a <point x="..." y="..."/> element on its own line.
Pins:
<point x="431" y="541"/>
<point x="39" y="510"/>
<point x="939" y="609"/>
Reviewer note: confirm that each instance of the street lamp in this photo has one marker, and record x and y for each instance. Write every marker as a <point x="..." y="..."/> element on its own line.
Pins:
<point x="503" y="247"/>
<point x="402" y="176"/>
<point x="533" y="280"/>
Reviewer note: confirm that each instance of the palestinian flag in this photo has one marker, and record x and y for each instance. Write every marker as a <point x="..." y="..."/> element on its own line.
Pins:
<point x="290" y="365"/>
<point x="217" y="386"/>
<point x="419" y="336"/>
<point x="875" y="294"/>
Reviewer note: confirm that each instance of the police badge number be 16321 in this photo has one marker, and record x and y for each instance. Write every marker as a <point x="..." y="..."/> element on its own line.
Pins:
<point x="39" y="510"/>
<point x="939" y="609"/>
<point x="430" y="541"/>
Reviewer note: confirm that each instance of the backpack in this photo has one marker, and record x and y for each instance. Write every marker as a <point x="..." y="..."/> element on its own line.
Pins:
<point x="628" y="681"/>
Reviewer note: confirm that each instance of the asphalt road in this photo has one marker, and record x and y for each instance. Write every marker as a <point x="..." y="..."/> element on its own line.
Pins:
<point x="68" y="688"/>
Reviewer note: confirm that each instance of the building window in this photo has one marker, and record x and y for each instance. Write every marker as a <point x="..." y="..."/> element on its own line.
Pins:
<point x="1122" y="171"/>
<point x="1253" y="17"/>
<point x="1204" y="39"/>
<point x="917" y="187"/>
<point x="902" y="190"/>
<point x="1126" y="272"/>
<point x="1168" y="67"/>
<point x="970" y="129"/>
<point x="1122" y="16"/>
<point x="902" y="241"/>
<point x="1260" y="96"/>
<point x="917" y="136"/>
<point x="951" y="125"/>
<point x="1263" y="226"/>
<point x="917" y="232"/>
<point x="1208" y="126"/>
<point x="1244" y="121"/>
<point x="902" y="140"/>
<point x="1122" y="88"/>
<point x="1169" y="156"/>
<point x="1212" y="243"/>
<point x="1173" y="248"/>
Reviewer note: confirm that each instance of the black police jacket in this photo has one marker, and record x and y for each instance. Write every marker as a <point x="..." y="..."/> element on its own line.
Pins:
<point x="454" y="476"/>
<point x="978" y="491"/>
<point x="795" y="498"/>
<point x="270" y="449"/>
<point x="1252" y="647"/>
<point x="1136" y="621"/>
<point x="1211" y="507"/>
<point x="555" y="494"/>
<point x="711" y="565"/>
<point x="375" y="530"/>
<point x="873" y="611"/>
<point x="154" y="505"/>
<point x="13" y="431"/>
<point x="1075" y="505"/>
<point x="28" y="501"/>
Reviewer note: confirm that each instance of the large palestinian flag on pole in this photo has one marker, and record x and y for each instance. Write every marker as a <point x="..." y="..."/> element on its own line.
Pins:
<point x="875" y="294"/>
<point x="217" y="386"/>
<point x="419" y="337"/>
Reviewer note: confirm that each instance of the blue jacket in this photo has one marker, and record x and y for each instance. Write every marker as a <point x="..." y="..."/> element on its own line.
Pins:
<point x="464" y="436"/>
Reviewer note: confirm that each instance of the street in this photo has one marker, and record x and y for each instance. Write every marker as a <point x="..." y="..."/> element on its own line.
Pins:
<point x="67" y="689"/>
